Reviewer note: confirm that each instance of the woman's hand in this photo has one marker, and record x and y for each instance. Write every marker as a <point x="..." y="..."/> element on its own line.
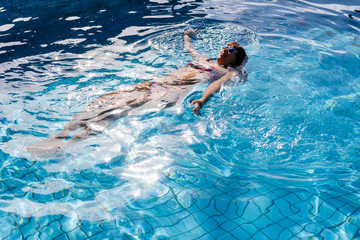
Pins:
<point x="190" y="48"/>
<point x="198" y="103"/>
<point x="191" y="32"/>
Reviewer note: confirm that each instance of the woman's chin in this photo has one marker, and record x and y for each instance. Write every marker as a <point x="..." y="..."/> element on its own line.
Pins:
<point x="221" y="62"/>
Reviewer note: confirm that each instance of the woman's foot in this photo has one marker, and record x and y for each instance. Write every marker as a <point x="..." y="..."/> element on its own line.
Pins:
<point x="47" y="147"/>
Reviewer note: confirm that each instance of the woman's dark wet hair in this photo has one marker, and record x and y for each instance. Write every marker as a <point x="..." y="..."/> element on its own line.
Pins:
<point x="240" y="53"/>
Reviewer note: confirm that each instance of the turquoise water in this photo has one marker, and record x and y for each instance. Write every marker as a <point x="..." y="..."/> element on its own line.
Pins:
<point x="274" y="158"/>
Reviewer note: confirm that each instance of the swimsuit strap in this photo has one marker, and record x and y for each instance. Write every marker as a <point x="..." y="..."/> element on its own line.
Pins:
<point x="154" y="85"/>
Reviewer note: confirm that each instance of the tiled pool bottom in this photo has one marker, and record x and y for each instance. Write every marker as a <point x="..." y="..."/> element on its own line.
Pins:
<point x="223" y="208"/>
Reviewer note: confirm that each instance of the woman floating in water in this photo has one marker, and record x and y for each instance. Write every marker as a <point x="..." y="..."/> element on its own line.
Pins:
<point x="161" y="92"/>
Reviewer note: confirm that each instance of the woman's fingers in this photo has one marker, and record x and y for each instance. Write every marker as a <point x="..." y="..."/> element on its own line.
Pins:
<point x="192" y="32"/>
<point x="197" y="106"/>
<point x="196" y="109"/>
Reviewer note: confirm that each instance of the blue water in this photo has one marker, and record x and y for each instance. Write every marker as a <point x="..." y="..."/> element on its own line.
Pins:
<point x="275" y="158"/>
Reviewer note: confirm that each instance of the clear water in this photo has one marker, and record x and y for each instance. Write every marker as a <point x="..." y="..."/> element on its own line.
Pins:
<point x="275" y="158"/>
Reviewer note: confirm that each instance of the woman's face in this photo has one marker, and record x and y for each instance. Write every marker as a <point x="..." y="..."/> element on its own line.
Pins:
<point x="227" y="55"/>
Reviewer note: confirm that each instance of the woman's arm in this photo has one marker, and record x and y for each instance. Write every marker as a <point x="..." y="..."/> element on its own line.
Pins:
<point x="190" y="48"/>
<point x="211" y="90"/>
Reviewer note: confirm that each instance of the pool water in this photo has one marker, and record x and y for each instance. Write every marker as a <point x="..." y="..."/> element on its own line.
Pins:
<point x="275" y="158"/>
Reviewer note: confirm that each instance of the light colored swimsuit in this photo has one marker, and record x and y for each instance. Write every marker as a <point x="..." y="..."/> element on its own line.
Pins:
<point x="213" y="72"/>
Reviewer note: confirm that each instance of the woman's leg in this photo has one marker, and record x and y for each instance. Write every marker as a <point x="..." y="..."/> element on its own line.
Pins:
<point x="93" y="120"/>
<point x="98" y="115"/>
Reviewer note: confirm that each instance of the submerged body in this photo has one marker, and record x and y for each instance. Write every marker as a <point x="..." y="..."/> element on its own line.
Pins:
<point x="158" y="93"/>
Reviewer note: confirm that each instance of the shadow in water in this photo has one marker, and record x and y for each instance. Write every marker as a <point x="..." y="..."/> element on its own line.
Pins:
<point x="32" y="27"/>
